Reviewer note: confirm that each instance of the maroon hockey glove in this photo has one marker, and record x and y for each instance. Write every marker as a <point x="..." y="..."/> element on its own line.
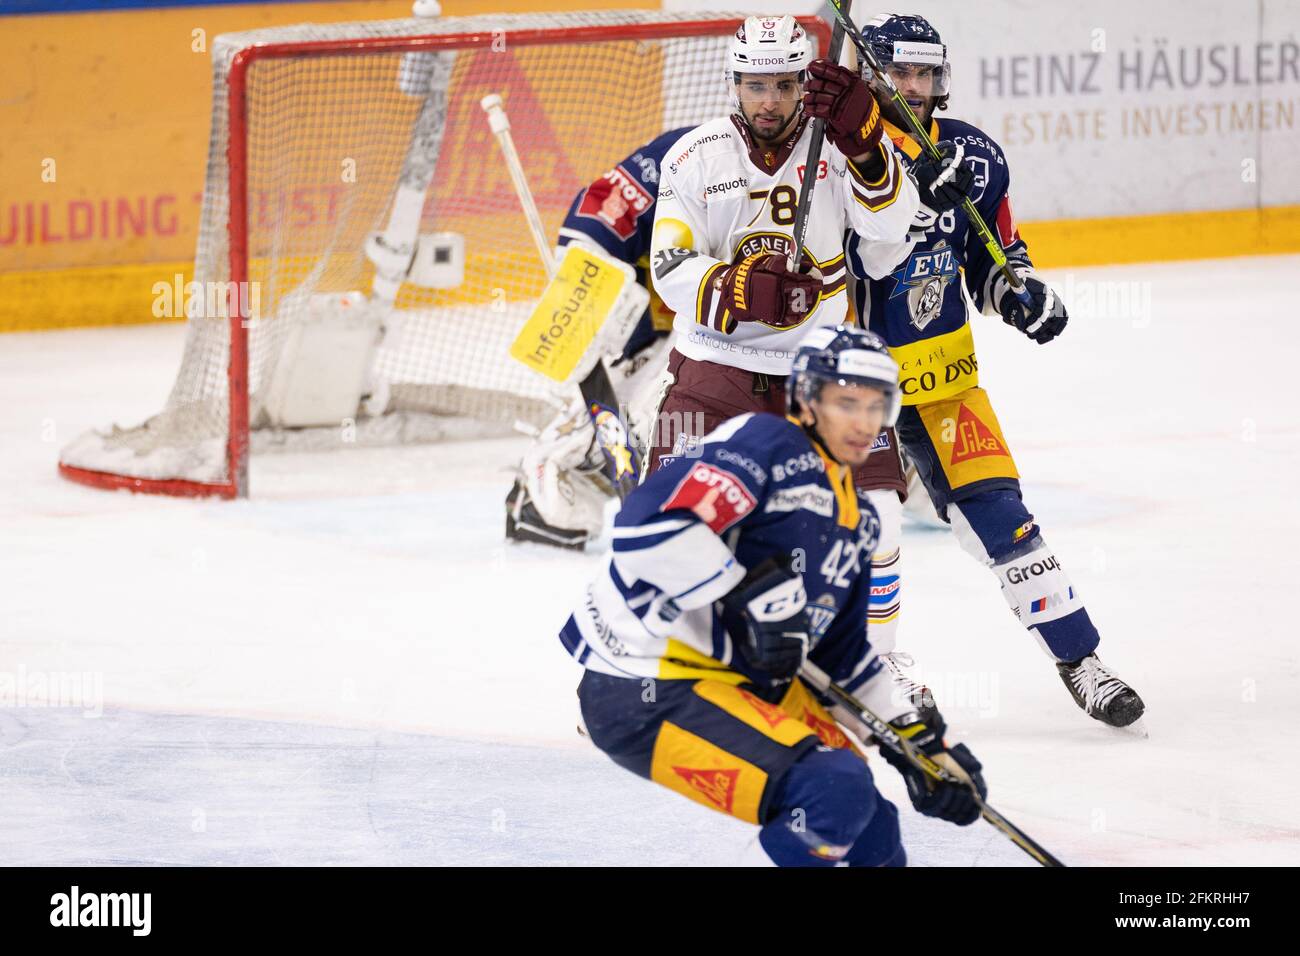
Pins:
<point x="845" y="102"/>
<point x="761" y="288"/>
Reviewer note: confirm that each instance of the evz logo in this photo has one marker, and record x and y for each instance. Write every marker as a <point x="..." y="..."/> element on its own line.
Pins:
<point x="924" y="278"/>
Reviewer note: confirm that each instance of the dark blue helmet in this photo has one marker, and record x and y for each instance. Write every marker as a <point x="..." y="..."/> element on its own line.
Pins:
<point x="911" y="42"/>
<point x="847" y="356"/>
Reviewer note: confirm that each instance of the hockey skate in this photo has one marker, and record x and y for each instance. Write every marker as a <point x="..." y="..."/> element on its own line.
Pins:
<point x="524" y="523"/>
<point x="1100" y="693"/>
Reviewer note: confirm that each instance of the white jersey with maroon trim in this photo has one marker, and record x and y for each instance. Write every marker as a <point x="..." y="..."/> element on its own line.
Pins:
<point x="722" y="198"/>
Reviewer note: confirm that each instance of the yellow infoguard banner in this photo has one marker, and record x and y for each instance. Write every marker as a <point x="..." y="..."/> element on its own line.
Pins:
<point x="569" y="315"/>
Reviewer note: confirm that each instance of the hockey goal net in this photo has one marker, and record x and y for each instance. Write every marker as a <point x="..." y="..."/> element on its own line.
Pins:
<point x="320" y="132"/>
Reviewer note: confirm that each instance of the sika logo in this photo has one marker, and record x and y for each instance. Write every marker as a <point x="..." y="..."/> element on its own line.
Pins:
<point x="827" y="731"/>
<point x="769" y="712"/>
<point x="974" y="439"/>
<point x="716" y="786"/>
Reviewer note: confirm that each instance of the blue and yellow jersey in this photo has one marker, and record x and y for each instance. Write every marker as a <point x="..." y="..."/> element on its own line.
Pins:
<point x="919" y="309"/>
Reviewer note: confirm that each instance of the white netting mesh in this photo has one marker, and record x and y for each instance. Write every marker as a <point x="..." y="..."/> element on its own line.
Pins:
<point x="575" y="108"/>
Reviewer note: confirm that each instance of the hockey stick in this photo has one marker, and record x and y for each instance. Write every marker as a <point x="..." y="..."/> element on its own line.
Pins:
<point x="873" y="725"/>
<point x="990" y="241"/>
<point x="621" y="465"/>
<point x="814" y="159"/>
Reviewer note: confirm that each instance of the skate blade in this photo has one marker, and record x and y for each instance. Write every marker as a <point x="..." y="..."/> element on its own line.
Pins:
<point x="1136" y="729"/>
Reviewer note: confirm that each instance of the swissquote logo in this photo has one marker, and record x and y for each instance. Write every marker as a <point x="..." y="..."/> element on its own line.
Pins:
<point x="76" y="908"/>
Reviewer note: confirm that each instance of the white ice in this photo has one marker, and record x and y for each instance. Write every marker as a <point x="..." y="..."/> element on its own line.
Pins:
<point x="353" y="666"/>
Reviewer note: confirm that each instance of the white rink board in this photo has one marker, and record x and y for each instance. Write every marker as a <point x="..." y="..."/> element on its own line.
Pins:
<point x="1104" y="101"/>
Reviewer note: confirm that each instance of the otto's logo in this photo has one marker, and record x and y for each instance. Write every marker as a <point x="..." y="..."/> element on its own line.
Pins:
<point x="715" y="495"/>
<point x="617" y="200"/>
<point x="974" y="439"/>
<point x="1019" y="574"/>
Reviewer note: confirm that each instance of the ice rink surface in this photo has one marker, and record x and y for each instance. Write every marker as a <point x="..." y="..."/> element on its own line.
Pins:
<point x="353" y="667"/>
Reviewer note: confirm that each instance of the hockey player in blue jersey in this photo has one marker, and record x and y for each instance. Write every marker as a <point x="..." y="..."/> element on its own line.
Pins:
<point x="728" y="568"/>
<point x="560" y="495"/>
<point x="947" y="426"/>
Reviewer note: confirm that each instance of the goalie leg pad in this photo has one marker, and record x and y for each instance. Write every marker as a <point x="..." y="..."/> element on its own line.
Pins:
<point x="561" y="474"/>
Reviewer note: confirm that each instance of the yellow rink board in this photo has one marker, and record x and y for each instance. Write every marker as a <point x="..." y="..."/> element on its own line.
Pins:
<point x="116" y="106"/>
<point x="119" y="101"/>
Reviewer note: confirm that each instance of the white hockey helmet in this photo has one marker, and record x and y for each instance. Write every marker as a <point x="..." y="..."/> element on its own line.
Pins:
<point x="769" y="45"/>
<point x="766" y="45"/>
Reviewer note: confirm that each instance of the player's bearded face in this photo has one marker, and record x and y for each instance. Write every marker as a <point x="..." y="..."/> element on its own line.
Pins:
<point x="769" y="103"/>
<point x="848" y="419"/>
<point x="916" y="83"/>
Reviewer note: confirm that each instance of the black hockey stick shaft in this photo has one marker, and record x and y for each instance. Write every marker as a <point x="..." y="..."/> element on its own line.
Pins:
<point x="621" y="464"/>
<point x="990" y="241"/>
<point x="876" y="727"/>
<point x="818" y="133"/>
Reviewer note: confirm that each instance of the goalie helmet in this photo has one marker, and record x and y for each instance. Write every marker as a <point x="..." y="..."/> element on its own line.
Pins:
<point x="767" y="45"/>
<point x="911" y="41"/>
<point x="844" y="355"/>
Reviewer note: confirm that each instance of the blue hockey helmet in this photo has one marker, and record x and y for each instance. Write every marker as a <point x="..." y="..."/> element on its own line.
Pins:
<point x="844" y="355"/>
<point x="907" y="41"/>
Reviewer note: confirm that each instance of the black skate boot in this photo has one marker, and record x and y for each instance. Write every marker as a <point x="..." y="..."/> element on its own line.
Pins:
<point x="1100" y="693"/>
<point x="523" y="523"/>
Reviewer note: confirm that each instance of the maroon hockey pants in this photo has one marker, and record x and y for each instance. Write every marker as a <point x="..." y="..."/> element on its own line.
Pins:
<point x="704" y="395"/>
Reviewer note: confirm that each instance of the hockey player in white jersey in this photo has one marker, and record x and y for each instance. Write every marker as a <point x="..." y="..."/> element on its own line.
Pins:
<point x="721" y="251"/>
<point x="725" y="573"/>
